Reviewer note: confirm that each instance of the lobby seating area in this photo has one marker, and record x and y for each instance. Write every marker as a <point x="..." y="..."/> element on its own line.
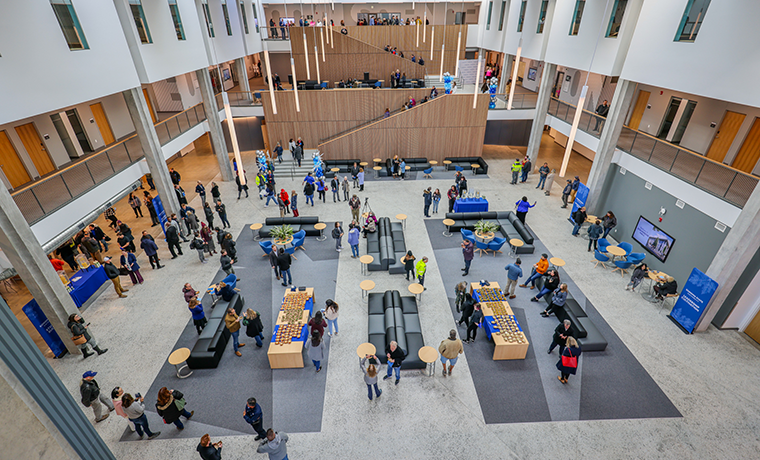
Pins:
<point x="387" y="246"/>
<point x="393" y="317"/>
<point x="509" y="226"/>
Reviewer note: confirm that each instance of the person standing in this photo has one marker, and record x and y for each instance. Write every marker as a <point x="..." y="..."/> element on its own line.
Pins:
<point x="80" y="333"/>
<point x="201" y="191"/>
<point x="543" y="171"/>
<point x="148" y="200"/>
<point x="199" y="317"/>
<point x="360" y="176"/>
<point x="475" y="320"/>
<point x="136" y="204"/>
<point x="452" y="195"/>
<point x="215" y="194"/>
<point x="275" y="445"/>
<point x="298" y="154"/>
<point x="278" y="147"/>
<point x="113" y="274"/>
<point x="308" y="190"/>
<point x="116" y="395"/>
<point x="254" y="328"/>
<point x="134" y="408"/>
<point x="337" y="234"/>
<point x="427" y="195"/>
<point x="345" y="186"/>
<point x="208" y="239"/>
<point x="128" y="260"/>
<point x="209" y="451"/>
<point x="209" y="213"/>
<point x="294" y="202"/>
<point x="170" y="405"/>
<point x="172" y="240"/>
<point x="315" y="348"/>
<point x="568" y="360"/>
<point x="221" y="209"/>
<point x="370" y="374"/>
<point x="408" y="261"/>
<point x="576" y="184"/>
<point x="226" y="262"/>
<point x="594" y="233"/>
<point x="395" y="355"/>
<point x="331" y="315"/>
<point x="522" y="208"/>
<point x="450" y="349"/>
<point x="355" y="204"/>
<point x="436" y="200"/>
<point x="566" y="193"/>
<point x="539" y="268"/>
<point x="355" y="174"/>
<point x="514" y="271"/>
<point x="468" y="250"/>
<point x="353" y="240"/>
<point x="241" y="186"/>
<point x="526" y="167"/>
<point x="283" y="262"/>
<point x="321" y="189"/>
<point x="66" y="252"/>
<point x="602" y="111"/>
<point x="254" y="416"/>
<point x="92" y="397"/>
<point x="199" y="245"/>
<point x="609" y="221"/>
<point x="272" y="28"/>
<point x="421" y="270"/>
<point x="232" y="322"/>
<point x="180" y="194"/>
<point x="335" y="188"/>
<point x="318" y="323"/>
<point x="91" y="245"/>
<point x="273" y="261"/>
<point x="579" y="217"/>
<point x="561" y="333"/>
<point x="175" y="177"/>
<point x="516" y="168"/>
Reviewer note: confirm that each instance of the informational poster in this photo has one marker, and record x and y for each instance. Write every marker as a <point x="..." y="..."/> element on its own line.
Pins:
<point x="43" y="326"/>
<point x="160" y="211"/>
<point x="695" y="296"/>
<point x="580" y="197"/>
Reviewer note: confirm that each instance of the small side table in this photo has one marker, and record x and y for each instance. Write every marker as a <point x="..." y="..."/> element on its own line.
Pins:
<point x="417" y="289"/>
<point x="178" y="359"/>
<point x="377" y="160"/>
<point x="428" y="355"/>
<point x="515" y="243"/>
<point x="363" y="164"/>
<point x="365" y="349"/>
<point x="366" y="260"/>
<point x="475" y="167"/>
<point x="402" y="218"/>
<point x="446" y="164"/>
<point x="321" y="226"/>
<point x="377" y="171"/>
<point x="448" y="223"/>
<point x="366" y="286"/>
<point x="255" y="231"/>
<point x="557" y="262"/>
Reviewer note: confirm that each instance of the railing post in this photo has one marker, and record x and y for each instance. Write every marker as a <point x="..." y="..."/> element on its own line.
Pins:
<point x="38" y="202"/>
<point x="110" y="162"/>
<point x="700" y="171"/>
<point x="654" y="146"/>
<point x="674" y="160"/>
<point x="90" y="172"/>
<point x="730" y="184"/>
<point x="67" y="186"/>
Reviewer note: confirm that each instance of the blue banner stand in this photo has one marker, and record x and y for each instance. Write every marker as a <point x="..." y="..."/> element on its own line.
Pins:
<point x="580" y="200"/>
<point x="43" y="326"/>
<point x="695" y="296"/>
<point x="158" y="205"/>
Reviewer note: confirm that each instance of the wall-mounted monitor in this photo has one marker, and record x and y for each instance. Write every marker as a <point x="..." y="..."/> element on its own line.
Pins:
<point x="532" y="73"/>
<point x="226" y="74"/>
<point x="654" y="240"/>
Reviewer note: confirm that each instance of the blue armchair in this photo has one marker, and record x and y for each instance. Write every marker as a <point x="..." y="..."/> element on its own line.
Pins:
<point x="600" y="258"/>
<point x="602" y="244"/>
<point x="627" y="246"/>
<point x="496" y="244"/>
<point x="298" y="239"/>
<point x="481" y="247"/>
<point x="636" y="257"/>
<point x="467" y="235"/>
<point x="428" y="173"/>
<point x="265" y="246"/>
<point x="291" y="250"/>
<point x="623" y="266"/>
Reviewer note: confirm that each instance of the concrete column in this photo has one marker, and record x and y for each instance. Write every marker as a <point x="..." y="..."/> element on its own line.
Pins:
<point x="542" y="107"/>
<point x="151" y="145"/>
<point x="242" y="72"/>
<point x="621" y="102"/>
<point x="733" y="257"/>
<point x="26" y="254"/>
<point x="218" y="144"/>
<point x="506" y="72"/>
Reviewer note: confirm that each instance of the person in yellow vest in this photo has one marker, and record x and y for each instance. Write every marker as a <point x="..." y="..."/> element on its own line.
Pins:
<point x="516" y="168"/>
<point x="421" y="269"/>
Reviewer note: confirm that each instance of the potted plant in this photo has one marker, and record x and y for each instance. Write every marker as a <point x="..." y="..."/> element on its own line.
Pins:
<point x="485" y="229"/>
<point x="282" y="233"/>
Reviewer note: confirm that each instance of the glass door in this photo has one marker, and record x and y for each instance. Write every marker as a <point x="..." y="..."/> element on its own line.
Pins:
<point x="670" y="115"/>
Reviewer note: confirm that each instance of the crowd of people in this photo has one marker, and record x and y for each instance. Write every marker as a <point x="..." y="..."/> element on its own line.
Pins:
<point x="393" y="20"/>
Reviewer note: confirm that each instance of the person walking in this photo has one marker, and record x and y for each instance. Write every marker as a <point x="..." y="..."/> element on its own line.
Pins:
<point x="116" y="395"/>
<point x="82" y="337"/>
<point x="539" y="268"/>
<point x="459" y="291"/>
<point x="475" y="321"/>
<point x="516" y="168"/>
<point x="221" y="209"/>
<point x="370" y="374"/>
<point x="561" y="333"/>
<point x="408" y="261"/>
<point x="285" y="200"/>
<point x="232" y="322"/>
<point x="226" y="263"/>
<point x="558" y="301"/>
<point x="254" y="328"/>
<point x="283" y="262"/>
<point x="345" y="186"/>
<point x="318" y="323"/>
<point x="201" y="191"/>
<point x="170" y="405"/>
<point x="278" y="147"/>
<point x="514" y="272"/>
<point x="568" y="361"/>
<point x="209" y="451"/>
<point x="522" y="207"/>
<point x="298" y="154"/>
<point x="427" y="195"/>
<point x="128" y="261"/>
<point x="396" y="356"/>
<point x="594" y="233"/>
<point x="229" y="245"/>
<point x="254" y="416"/>
<point x="275" y="445"/>
<point x="355" y="204"/>
<point x="579" y="217"/>
<point x="113" y="274"/>
<point x="172" y="239"/>
<point x="199" y="317"/>
<point x="566" y="193"/>
<point x="353" y="239"/>
<point x="543" y="171"/>
<point x="198" y="244"/>
<point x="468" y="250"/>
<point x="134" y="408"/>
<point x="609" y="221"/>
<point x="136" y="204"/>
<point x="208" y="239"/>
<point x="452" y="196"/>
<point x="331" y="315"/>
<point x="92" y="396"/>
<point x="421" y="270"/>
<point x="150" y="249"/>
<point x="294" y="202"/>
<point x="450" y="349"/>
<point x="308" y="191"/>
<point x="337" y="234"/>
<point x="110" y="214"/>
<point x="240" y="186"/>
<point x="315" y="348"/>
<point x="436" y="200"/>
<point x="526" y="167"/>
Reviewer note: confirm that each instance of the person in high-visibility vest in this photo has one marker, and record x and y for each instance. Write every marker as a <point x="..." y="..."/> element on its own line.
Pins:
<point x="516" y="168"/>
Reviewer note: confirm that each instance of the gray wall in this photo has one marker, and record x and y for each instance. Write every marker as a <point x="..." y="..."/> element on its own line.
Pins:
<point x="508" y="132"/>
<point x="248" y="130"/>
<point x="697" y="240"/>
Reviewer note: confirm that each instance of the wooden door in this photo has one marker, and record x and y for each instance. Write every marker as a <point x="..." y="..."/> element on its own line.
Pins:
<point x="753" y="329"/>
<point x="102" y="121"/>
<point x="749" y="152"/>
<point x="11" y="164"/>
<point x="35" y="148"/>
<point x="725" y="135"/>
<point x="638" y="109"/>
<point x="150" y="106"/>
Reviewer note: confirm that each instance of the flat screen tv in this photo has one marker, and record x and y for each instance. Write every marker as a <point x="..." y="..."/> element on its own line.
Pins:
<point x="654" y="240"/>
<point x="532" y="73"/>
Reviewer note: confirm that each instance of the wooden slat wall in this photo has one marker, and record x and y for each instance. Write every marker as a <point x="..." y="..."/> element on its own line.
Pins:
<point x="326" y="113"/>
<point x="444" y="127"/>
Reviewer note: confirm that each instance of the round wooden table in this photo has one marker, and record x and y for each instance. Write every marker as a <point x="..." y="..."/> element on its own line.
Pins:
<point x="366" y="260"/>
<point x="446" y="164"/>
<point x="178" y="359"/>
<point x="474" y="167"/>
<point x="428" y="355"/>
<point x="366" y="285"/>
<point x="616" y="251"/>
<point x="321" y="226"/>
<point x="557" y="262"/>
<point x="402" y="218"/>
<point x="484" y="237"/>
<point x="254" y="231"/>
<point x="514" y="243"/>
<point x="284" y="242"/>
<point x="653" y="276"/>
<point x="365" y="349"/>
<point x="433" y="162"/>
<point x="377" y="168"/>
<point x="377" y="160"/>
<point x="417" y="290"/>
<point x="363" y="163"/>
<point x="448" y="223"/>
<point x="334" y="169"/>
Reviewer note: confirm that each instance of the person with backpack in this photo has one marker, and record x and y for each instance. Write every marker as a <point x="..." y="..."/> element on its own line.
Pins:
<point x="199" y="245"/>
<point x="170" y="405"/>
<point x="594" y="233"/>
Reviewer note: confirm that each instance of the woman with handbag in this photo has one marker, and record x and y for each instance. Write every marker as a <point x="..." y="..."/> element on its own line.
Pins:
<point x="568" y="362"/>
<point x="171" y="405"/>
<point x="129" y="263"/>
<point x="253" y="326"/>
<point x="82" y="337"/>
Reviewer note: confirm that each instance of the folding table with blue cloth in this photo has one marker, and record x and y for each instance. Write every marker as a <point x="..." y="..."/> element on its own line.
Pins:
<point x="85" y="283"/>
<point x="471" y="205"/>
<point x="291" y="329"/>
<point x="499" y="322"/>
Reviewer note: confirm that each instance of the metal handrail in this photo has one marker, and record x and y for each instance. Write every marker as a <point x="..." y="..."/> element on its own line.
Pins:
<point x="519" y="101"/>
<point x="566" y="112"/>
<point x="48" y="194"/>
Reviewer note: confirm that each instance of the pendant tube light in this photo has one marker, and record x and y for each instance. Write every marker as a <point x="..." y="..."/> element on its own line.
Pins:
<point x="316" y="60"/>
<point x="306" y="56"/>
<point x="459" y="45"/>
<point x="418" y="33"/>
<point x="477" y="80"/>
<point x="443" y="47"/>
<point x="233" y="135"/>
<point x="295" y="83"/>
<point x="515" y="66"/>
<point x="322" y="39"/>
<point x="424" y="25"/>
<point x="269" y="77"/>
<point x="432" y="39"/>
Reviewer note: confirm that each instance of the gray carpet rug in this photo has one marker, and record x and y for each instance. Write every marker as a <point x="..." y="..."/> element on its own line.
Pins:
<point x="609" y="384"/>
<point x="291" y="399"/>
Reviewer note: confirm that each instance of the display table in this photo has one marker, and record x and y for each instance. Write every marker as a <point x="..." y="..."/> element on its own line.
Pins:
<point x="291" y="329"/>
<point x="471" y="205"/>
<point x="499" y="322"/>
<point x="86" y="283"/>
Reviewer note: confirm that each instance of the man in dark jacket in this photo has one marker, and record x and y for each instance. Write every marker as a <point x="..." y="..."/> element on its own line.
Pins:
<point x="92" y="397"/>
<point x="226" y="263"/>
<point x="579" y="217"/>
<point x="99" y="236"/>
<point x="151" y="250"/>
<point x="283" y="262"/>
<point x="77" y="327"/>
<point x="113" y="274"/>
<point x="561" y="333"/>
<point x="180" y="194"/>
<point x="221" y="209"/>
<point x="395" y="356"/>
<point x="273" y="262"/>
<point x="427" y="195"/>
<point x="566" y="193"/>
<point x="527" y="166"/>
<point x="543" y="171"/>
<point x="91" y="245"/>
<point x="66" y="252"/>
<point x="255" y="416"/>
<point x="174" y="176"/>
<point x="576" y="184"/>
<point x="172" y="239"/>
<point x="468" y="250"/>
<point x="602" y="111"/>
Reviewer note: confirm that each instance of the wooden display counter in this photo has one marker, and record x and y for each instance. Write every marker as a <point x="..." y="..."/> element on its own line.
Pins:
<point x="499" y="310"/>
<point x="290" y="355"/>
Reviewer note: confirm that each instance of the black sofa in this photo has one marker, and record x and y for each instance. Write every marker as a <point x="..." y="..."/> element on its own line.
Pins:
<point x="344" y="165"/>
<point x="415" y="164"/>
<point x="392" y="317"/>
<point x="211" y="343"/>
<point x="466" y="162"/>
<point x="510" y="226"/>
<point x="586" y="332"/>
<point x="298" y="223"/>
<point x="387" y="246"/>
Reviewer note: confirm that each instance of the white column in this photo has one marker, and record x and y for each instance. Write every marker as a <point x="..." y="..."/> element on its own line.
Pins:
<point x="542" y="107"/>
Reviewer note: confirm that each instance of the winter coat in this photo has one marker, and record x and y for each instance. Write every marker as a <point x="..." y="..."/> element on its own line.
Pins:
<point x="569" y="351"/>
<point x="169" y="411"/>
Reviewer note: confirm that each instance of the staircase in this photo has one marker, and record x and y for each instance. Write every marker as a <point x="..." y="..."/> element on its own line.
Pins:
<point x="289" y="168"/>
<point x="435" y="81"/>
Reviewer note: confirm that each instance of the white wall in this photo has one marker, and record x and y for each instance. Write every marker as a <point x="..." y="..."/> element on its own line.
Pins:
<point x="57" y="77"/>
<point x="189" y="90"/>
<point x="746" y="308"/>
<point x="225" y="47"/>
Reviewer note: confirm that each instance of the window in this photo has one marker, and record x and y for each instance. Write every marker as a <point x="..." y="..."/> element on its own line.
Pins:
<point x="177" y="20"/>
<point x="501" y="17"/>
<point x="577" y="15"/>
<point x="522" y="16"/>
<point x="226" y="18"/>
<point x="542" y="16"/>
<point x="488" y="21"/>
<point x="142" y="25"/>
<point x="242" y="14"/>
<point x="691" y="21"/>
<point x="67" y="19"/>
<point x="207" y="17"/>
<point x="256" y="17"/>
<point x="618" y="9"/>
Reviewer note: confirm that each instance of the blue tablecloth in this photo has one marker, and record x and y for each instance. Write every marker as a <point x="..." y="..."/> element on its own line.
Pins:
<point x="304" y="333"/>
<point x="88" y="283"/>
<point x="491" y="328"/>
<point x="309" y="305"/>
<point x="471" y="205"/>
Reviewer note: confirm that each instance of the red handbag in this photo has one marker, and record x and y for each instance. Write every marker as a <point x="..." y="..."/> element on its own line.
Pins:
<point x="570" y="361"/>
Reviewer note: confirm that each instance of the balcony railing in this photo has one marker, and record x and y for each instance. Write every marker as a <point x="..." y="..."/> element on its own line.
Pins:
<point x="519" y="101"/>
<point x="53" y="191"/>
<point x="590" y="123"/>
